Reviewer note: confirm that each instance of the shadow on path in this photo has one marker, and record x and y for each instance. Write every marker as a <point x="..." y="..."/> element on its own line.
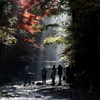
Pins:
<point x="16" y="91"/>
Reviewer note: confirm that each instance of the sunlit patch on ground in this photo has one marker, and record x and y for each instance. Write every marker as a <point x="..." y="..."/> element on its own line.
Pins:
<point x="17" y="91"/>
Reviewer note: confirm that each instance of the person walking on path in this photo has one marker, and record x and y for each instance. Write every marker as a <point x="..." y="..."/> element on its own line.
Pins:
<point x="44" y="74"/>
<point x="67" y="71"/>
<point x="71" y="76"/>
<point x="59" y="73"/>
<point x="27" y="76"/>
<point x="53" y="74"/>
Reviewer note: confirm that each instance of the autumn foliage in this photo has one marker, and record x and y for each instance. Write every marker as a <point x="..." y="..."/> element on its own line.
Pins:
<point x="26" y="16"/>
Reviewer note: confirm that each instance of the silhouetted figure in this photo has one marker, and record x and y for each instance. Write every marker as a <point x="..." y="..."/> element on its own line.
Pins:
<point x="30" y="74"/>
<point x="53" y="74"/>
<point x="59" y="73"/>
<point x="44" y="72"/>
<point x="67" y="73"/>
<point x="27" y="76"/>
<point x="71" y="76"/>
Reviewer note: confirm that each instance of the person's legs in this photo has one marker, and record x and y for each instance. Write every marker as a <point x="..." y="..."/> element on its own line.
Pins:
<point x="53" y="81"/>
<point x="29" y="79"/>
<point x="26" y="77"/>
<point x="43" y="79"/>
<point x="59" y="79"/>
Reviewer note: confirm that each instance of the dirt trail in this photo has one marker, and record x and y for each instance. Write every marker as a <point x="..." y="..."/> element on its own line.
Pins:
<point x="17" y="91"/>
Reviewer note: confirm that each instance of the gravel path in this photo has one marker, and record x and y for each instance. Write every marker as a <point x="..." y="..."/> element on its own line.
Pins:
<point x="17" y="91"/>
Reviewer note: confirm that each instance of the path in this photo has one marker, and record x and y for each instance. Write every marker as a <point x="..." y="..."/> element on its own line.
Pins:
<point x="16" y="91"/>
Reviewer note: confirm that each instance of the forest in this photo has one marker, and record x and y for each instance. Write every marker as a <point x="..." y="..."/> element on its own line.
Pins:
<point x="22" y="23"/>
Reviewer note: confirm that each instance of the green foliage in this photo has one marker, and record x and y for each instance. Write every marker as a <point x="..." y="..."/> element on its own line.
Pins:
<point x="6" y="36"/>
<point x="64" y="57"/>
<point x="48" y="40"/>
<point x="36" y="10"/>
<point x="8" y="8"/>
<point x="12" y="20"/>
<point x="54" y="40"/>
<point x="66" y="39"/>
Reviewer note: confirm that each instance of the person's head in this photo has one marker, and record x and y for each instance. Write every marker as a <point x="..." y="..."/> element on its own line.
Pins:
<point x="59" y="65"/>
<point x="53" y="66"/>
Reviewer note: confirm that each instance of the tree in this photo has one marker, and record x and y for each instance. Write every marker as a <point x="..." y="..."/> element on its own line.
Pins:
<point x="85" y="33"/>
<point x="25" y="15"/>
<point x="20" y="25"/>
<point x="84" y="47"/>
